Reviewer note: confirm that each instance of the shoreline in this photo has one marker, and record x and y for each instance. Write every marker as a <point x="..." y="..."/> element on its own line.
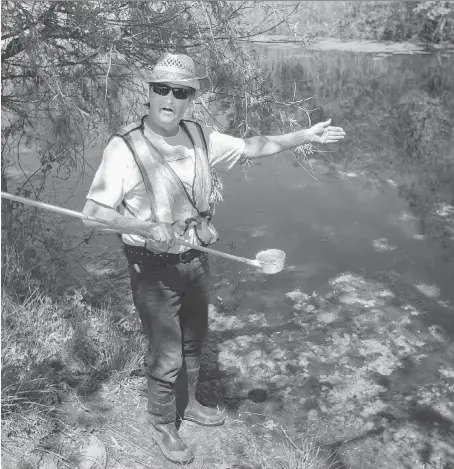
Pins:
<point x="321" y="43"/>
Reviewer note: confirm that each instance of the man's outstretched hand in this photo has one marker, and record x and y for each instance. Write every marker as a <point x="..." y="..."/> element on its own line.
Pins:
<point x="323" y="132"/>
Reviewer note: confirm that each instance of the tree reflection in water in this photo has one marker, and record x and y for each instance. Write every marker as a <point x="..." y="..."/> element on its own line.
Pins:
<point x="397" y="111"/>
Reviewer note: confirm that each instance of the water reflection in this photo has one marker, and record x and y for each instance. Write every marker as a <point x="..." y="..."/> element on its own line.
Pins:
<point x="370" y="273"/>
<point x="397" y="112"/>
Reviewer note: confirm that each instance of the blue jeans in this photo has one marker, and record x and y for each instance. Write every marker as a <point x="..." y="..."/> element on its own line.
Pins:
<point x="172" y="302"/>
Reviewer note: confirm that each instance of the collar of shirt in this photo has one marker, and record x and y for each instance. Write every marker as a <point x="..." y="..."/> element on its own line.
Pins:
<point x="154" y="137"/>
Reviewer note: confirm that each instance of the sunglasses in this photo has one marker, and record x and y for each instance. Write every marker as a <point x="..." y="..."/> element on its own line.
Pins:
<point x="164" y="90"/>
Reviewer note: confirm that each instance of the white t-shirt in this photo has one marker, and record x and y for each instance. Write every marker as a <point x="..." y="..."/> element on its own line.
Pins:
<point x="118" y="177"/>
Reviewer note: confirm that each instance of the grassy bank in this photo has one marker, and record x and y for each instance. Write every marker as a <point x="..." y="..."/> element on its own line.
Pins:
<point x="73" y="387"/>
<point x="51" y="350"/>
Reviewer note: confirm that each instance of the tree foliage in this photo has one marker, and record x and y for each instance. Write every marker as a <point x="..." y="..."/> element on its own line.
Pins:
<point x="429" y="20"/>
<point x="69" y="67"/>
<point x="69" y="76"/>
<point x="436" y="20"/>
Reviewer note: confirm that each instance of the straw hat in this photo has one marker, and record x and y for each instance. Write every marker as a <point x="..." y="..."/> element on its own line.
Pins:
<point x="177" y="69"/>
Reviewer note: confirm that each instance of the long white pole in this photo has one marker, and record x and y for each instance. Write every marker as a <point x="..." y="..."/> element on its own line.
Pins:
<point x="83" y="216"/>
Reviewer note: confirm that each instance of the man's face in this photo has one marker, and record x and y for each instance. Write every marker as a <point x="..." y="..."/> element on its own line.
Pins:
<point x="167" y="111"/>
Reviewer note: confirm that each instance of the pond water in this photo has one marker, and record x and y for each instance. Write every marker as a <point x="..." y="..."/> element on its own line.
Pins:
<point x="353" y="342"/>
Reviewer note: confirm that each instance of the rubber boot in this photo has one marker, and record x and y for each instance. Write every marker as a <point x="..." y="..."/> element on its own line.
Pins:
<point x="196" y="412"/>
<point x="164" y="431"/>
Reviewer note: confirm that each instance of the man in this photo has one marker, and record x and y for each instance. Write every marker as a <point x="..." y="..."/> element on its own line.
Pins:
<point x="154" y="180"/>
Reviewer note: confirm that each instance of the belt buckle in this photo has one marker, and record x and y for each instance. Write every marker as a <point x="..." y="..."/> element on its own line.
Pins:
<point x="186" y="256"/>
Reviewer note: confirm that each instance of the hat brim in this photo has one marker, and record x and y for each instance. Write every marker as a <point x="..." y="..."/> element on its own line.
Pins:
<point x="192" y="82"/>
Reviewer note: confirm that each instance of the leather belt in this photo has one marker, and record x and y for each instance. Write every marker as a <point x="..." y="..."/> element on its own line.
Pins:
<point x="141" y="255"/>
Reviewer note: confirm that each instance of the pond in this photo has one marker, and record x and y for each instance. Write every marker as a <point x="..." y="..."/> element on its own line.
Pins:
<point x="352" y="343"/>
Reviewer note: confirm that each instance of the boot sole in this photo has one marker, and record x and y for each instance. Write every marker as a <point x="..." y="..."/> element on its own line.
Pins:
<point x="171" y="456"/>
<point x="204" y="424"/>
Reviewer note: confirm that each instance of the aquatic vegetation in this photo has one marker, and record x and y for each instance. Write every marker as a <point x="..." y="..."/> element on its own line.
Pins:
<point x="445" y="304"/>
<point x="364" y="352"/>
<point x="327" y="318"/>
<point x="297" y="296"/>
<point x="382" y="245"/>
<point x="407" y="216"/>
<point x="219" y="321"/>
<point x="445" y="210"/>
<point x="391" y="183"/>
<point x="431" y="291"/>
